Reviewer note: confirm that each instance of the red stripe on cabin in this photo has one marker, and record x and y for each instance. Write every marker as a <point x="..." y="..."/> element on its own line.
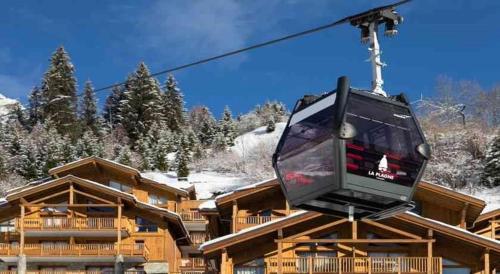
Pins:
<point x="352" y="166"/>
<point x="356" y="147"/>
<point x="354" y="156"/>
<point x="394" y="166"/>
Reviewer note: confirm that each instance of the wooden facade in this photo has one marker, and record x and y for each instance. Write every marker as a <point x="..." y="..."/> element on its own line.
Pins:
<point x="432" y="239"/>
<point x="96" y="216"/>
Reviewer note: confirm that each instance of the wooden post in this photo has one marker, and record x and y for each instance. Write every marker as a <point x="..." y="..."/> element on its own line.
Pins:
<point x="399" y="265"/>
<point x="119" y="225"/>
<point x="280" y="252"/>
<point x="430" y="234"/>
<point x="71" y="198"/>
<point x="223" y="264"/>
<point x="235" y="216"/>
<point x="493" y="228"/>
<point x="463" y="215"/>
<point x="310" y="263"/>
<point x="287" y="207"/>
<point x="486" y="261"/>
<point x="355" y="230"/>
<point x="21" y="242"/>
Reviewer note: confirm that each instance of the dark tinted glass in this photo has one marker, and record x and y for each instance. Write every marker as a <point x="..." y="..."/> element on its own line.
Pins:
<point x="306" y="158"/>
<point x="385" y="145"/>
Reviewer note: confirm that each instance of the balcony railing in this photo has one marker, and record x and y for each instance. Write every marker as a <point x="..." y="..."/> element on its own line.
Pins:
<point x="249" y="221"/>
<point x="191" y="215"/>
<point x="356" y="265"/>
<point x="198" y="237"/>
<point x="59" y="250"/>
<point x="68" y="223"/>
<point x="192" y="263"/>
<point x="70" y="272"/>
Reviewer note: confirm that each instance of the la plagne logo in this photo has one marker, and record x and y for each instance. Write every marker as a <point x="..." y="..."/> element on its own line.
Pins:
<point x="383" y="170"/>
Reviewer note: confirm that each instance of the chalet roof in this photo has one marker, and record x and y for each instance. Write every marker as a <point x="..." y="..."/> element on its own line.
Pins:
<point x="169" y="215"/>
<point x="303" y="216"/>
<point x="246" y="190"/>
<point x="488" y="215"/>
<point x="64" y="169"/>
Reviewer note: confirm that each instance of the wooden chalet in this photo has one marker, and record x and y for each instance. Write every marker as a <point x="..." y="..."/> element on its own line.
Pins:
<point x="255" y="231"/>
<point x="488" y="224"/>
<point x="98" y="216"/>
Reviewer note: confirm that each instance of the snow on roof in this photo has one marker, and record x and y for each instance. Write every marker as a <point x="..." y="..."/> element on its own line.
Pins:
<point x="246" y="187"/>
<point x="207" y="205"/>
<point x="250" y="140"/>
<point x="246" y="230"/>
<point x="454" y="228"/>
<point x="209" y="183"/>
<point x="490" y="195"/>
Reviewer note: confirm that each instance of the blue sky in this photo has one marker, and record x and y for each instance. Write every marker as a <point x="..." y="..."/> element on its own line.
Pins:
<point x="107" y="39"/>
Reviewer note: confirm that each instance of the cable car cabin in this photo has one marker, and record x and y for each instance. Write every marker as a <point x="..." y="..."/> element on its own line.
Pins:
<point x="351" y="151"/>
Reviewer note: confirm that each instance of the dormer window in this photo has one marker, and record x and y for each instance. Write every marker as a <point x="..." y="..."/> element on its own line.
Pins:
<point x="157" y="199"/>
<point x="120" y="186"/>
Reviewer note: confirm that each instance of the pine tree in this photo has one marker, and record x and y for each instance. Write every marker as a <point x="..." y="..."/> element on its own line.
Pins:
<point x="219" y="142"/>
<point x="111" y="112"/>
<point x="59" y="93"/>
<point x="124" y="156"/>
<point x="173" y="105"/>
<point x="141" y="106"/>
<point x="228" y="127"/>
<point x="182" y="160"/>
<point x="35" y="106"/>
<point x="203" y="124"/>
<point x="89" y="145"/>
<point x="88" y="111"/>
<point x="27" y="162"/>
<point x="271" y="125"/>
<point x="491" y="173"/>
<point x="146" y="152"/>
<point x="4" y="166"/>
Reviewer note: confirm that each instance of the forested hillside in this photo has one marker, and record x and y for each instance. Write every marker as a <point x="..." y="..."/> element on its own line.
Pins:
<point x="145" y="124"/>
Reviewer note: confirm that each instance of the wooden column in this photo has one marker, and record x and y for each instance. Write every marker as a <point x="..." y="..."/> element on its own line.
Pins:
<point x="119" y="225"/>
<point x="71" y="198"/>
<point x="280" y="252"/>
<point x="463" y="215"/>
<point x="493" y="228"/>
<point x="430" y="234"/>
<point x="223" y="263"/>
<point x="21" y="242"/>
<point x="486" y="259"/>
<point x="235" y="216"/>
<point x="287" y="207"/>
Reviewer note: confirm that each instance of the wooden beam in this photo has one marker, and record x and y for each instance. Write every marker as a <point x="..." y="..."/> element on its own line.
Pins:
<point x="94" y="197"/>
<point x="280" y="252"/>
<point x="430" y="234"/>
<point x="235" y="216"/>
<point x="354" y="230"/>
<point x="486" y="261"/>
<point x="392" y="229"/>
<point x="316" y="229"/>
<point x="358" y="241"/>
<point x="21" y="242"/>
<point x="48" y="197"/>
<point x="463" y="215"/>
<point x="119" y="229"/>
<point x="68" y="205"/>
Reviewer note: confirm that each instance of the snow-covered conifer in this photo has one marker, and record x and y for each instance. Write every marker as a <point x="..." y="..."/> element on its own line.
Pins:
<point x="173" y="105"/>
<point x="88" y="110"/>
<point x="182" y="161"/>
<point x="491" y="173"/>
<point x="35" y="106"/>
<point x="59" y="93"/>
<point x="89" y="145"/>
<point x="111" y="113"/>
<point x="228" y="127"/>
<point x="141" y="106"/>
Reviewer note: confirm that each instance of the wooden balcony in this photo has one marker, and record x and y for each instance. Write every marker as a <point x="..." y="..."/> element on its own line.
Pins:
<point x="356" y="265"/>
<point x="66" y="272"/>
<point x="54" y="226"/>
<point x="192" y="263"/>
<point x="76" y="250"/>
<point x="191" y="216"/>
<point x="249" y="221"/>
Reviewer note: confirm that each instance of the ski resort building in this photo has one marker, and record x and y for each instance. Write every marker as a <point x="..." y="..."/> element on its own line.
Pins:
<point x="98" y="216"/>
<point x="255" y="231"/>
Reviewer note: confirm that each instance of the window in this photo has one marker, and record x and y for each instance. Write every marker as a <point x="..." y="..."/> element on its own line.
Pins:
<point x="451" y="267"/>
<point x="7" y="226"/>
<point x="384" y="147"/>
<point x="139" y="244"/>
<point x="155" y="199"/>
<point x="120" y="186"/>
<point x="143" y="225"/>
<point x="93" y="209"/>
<point x="256" y="266"/>
<point x="52" y="270"/>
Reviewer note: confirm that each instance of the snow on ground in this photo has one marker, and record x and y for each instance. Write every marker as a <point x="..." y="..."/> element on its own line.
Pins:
<point x="207" y="183"/>
<point x="490" y="195"/>
<point x="250" y="140"/>
<point x="6" y="104"/>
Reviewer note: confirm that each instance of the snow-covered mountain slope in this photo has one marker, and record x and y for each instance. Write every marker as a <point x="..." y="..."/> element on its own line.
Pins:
<point x="7" y="104"/>
<point x="258" y="137"/>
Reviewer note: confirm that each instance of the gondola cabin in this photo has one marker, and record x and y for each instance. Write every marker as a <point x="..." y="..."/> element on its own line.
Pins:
<point x="351" y="152"/>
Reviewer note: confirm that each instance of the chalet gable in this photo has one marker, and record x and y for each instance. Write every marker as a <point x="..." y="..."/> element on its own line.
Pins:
<point x="102" y="171"/>
<point x="72" y="191"/>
